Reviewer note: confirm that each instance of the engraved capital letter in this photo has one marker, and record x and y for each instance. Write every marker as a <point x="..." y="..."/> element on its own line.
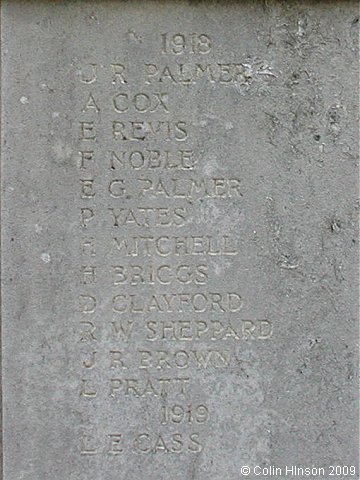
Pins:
<point x="85" y="156"/>
<point x="87" y="214"/>
<point x="88" y="274"/>
<point x="86" y="447"/>
<point x="88" y="335"/>
<point x="118" y="71"/>
<point x="91" y="362"/>
<point x="87" y="303"/>
<point x="91" y="104"/>
<point x="90" y="75"/>
<point x="265" y="330"/>
<point x="88" y="246"/>
<point x="86" y="391"/>
<point x="115" y="443"/>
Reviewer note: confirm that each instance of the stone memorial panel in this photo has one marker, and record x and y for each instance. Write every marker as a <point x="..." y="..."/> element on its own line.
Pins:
<point x="179" y="240"/>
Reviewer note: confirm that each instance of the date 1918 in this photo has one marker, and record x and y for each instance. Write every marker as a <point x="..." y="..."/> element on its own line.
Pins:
<point x="180" y="43"/>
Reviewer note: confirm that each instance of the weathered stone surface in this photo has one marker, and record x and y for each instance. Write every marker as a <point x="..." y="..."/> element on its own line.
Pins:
<point x="179" y="234"/>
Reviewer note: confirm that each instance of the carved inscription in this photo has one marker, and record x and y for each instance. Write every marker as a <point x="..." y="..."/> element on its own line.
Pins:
<point x="153" y="308"/>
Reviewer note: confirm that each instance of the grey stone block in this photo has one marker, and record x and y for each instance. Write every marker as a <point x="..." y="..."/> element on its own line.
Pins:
<point x="180" y="240"/>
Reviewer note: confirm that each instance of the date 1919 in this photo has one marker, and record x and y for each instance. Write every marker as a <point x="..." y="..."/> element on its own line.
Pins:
<point x="181" y="414"/>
